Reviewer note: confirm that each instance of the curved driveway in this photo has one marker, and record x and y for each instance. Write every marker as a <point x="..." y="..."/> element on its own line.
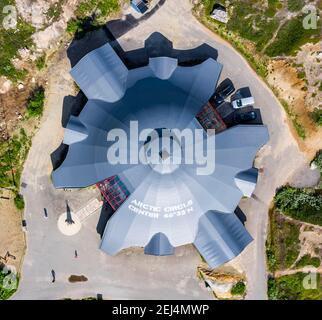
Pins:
<point x="135" y="275"/>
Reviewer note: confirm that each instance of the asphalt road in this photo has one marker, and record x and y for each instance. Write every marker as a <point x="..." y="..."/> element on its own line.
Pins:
<point x="134" y="275"/>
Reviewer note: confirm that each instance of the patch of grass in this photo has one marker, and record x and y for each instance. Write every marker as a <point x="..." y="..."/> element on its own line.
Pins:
<point x="41" y="62"/>
<point x="295" y="5"/>
<point x="5" y="293"/>
<point x="316" y="116"/>
<point x="257" y="63"/>
<point x="36" y="102"/>
<point x="301" y="74"/>
<point x="291" y="37"/>
<point x="282" y="245"/>
<point x="239" y="289"/>
<point x="101" y="8"/>
<point x="11" y="41"/>
<point x="90" y="15"/>
<point x="12" y="156"/>
<point x="55" y="10"/>
<point x="19" y="202"/>
<point x="298" y="127"/>
<point x="80" y="26"/>
<point x="253" y="24"/>
<point x="307" y="260"/>
<point x="300" y="204"/>
<point x="290" y="287"/>
<point x="273" y="7"/>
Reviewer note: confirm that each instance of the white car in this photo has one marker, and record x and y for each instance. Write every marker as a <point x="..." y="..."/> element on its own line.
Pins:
<point x="243" y="102"/>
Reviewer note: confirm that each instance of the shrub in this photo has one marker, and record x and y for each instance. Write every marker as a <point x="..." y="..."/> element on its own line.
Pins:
<point x="318" y="160"/>
<point x="307" y="260"/>
<point x="238" y="289"/>
<point x="80" y="26"/>
<point x="36" y="102"/>
<point x="12" y="156"/>
<point x="282" y="244"/>
<point x="19" y="202"/>
<point x="300" y="204"/>
<point x="295" y="5"/>
<point x="290" y="287"/>
<point x="290" y="37"/>
<point x="4" y="292"/>
<point x="89" y="15"/>
<point x="316" y="116"/>
<point x="41" y="62"/>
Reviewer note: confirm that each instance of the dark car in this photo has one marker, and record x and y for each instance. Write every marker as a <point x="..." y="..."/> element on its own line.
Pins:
<point x="225" y="88"/>
<point x="245" y="116"/>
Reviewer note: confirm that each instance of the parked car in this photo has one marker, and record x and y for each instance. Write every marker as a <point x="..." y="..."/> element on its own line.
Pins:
<point x="243" y="102"/>
<point x="245" y="116"/>
<point x="225" y="88"/>
<point x="241" y="93"/>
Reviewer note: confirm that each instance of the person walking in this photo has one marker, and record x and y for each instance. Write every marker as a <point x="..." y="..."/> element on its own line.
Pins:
<point x="53" y="273"/>
<point x="76" y="254"/>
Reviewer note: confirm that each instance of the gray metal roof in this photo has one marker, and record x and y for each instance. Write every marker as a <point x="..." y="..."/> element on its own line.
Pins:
<point x="159" y="245"/>
<point x="160" y="95"/>
<point x="220" y="237"/>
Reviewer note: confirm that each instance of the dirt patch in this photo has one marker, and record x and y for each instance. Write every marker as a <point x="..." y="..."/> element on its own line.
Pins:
<point x="12" y="238"/>
<point x="284" y="78"/>
<point x="221" y="280"/>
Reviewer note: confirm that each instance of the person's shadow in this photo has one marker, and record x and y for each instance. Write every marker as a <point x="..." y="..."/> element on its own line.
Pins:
<point x="53" y="274"/>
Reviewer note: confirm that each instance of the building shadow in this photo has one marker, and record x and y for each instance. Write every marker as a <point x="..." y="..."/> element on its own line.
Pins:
<point x="59" y="155"/>
<point x="156" y="45"/>
<point x="240" y="215"/>
<point x="73" y="106"/>
<point x="106" y="213"/>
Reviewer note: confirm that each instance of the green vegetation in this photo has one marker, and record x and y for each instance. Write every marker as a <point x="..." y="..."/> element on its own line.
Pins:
<point x="90" y="15"/>
<point x="12" y="156"/>
<point x="318" y="160"/>
<point x="239" y="289"/>
<point x="11" y="41"/>
<point x="291" y="37"/>
<point x="290" y="287"/>
<point x="35" y="104"/>
<point x="253" y="24"/>
<point x="99" y="7"/>
<point x="259" y="64"/>
<point x="19" y="202"/>
<point x="316" y="116"/>
<point x="55" y="10"/>
<point x="4" y="292"/>
<point x="41" y="62"/>
<point x="300" y="204"/>
<point x="307" y="260"/>
<point x="298" y="127"/>
<point x="282" y="245"/>
<point x="295" y="5"/>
